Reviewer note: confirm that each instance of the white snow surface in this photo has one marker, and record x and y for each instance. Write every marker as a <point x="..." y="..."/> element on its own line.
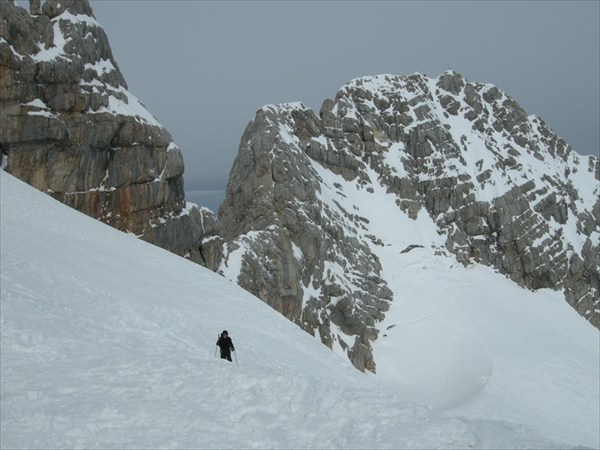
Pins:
<point x="131" y="107"/>
<point x="109" y="342"/>
<point x="469" y="338"/>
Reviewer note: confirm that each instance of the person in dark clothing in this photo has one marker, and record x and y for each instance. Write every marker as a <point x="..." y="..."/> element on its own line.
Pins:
<point x="226" y="345"/>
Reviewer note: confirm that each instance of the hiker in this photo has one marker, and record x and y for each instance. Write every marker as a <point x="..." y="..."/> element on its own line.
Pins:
<point x="226" y="345"/>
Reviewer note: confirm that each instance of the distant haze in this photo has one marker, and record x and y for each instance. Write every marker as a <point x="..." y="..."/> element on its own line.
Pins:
<point x="204" y="68"/>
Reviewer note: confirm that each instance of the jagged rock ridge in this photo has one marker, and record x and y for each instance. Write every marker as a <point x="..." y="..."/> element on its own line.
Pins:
<point x="497" y="187"/>
<point x="71" y="128"/>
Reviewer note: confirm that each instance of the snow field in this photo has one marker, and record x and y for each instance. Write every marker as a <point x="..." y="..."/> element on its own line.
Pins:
<point x="109" y="342"/>
<point x="470" y="341"/>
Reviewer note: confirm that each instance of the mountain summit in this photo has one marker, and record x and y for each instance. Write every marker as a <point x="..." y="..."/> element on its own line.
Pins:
<point x="320" y="209"/>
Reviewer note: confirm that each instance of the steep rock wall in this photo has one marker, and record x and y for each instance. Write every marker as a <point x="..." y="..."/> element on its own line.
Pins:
<point x="70" y="127"/>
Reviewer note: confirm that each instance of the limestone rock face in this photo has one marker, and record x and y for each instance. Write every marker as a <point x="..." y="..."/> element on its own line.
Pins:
<point x="294" y="250"/>
<point x="70" y="127"/>
<point x="458" y="163"/>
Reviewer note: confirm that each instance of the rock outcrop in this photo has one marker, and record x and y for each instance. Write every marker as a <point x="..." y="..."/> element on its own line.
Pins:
<point x="496" y="186"/>
<point x="70" y="127"/>
<point x="295" y="251"/>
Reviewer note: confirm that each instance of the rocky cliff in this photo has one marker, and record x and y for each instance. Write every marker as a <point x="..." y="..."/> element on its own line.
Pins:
<point x="441" y="163"/>
<point x="71" y="128"/>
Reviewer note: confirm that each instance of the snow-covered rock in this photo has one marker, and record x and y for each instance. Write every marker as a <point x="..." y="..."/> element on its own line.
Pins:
<point x="320" y="210"/>
<point x="71" y="128"/>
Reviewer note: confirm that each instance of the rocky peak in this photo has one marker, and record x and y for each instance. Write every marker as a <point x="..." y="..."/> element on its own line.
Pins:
<point x="463" y="160"/>
<point x="72" y="129"/>
<point x="55" y="8"/>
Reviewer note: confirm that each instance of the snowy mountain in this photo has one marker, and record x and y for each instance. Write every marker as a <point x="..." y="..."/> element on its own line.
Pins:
<point x="107" y="341"/>
<point x="390" y="227"/>
<point x="323" y="213"/>
<point x="70" y="127"/>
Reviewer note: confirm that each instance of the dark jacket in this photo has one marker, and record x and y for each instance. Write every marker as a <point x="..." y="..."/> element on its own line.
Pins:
<point x="226" y="345"/>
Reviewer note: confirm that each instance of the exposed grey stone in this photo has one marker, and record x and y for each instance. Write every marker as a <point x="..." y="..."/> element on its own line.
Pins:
<point x="290" y="237"/>
<point x="35" y="7"/>
<point x="451" y="82"/>
<point x="291" y="251"/>
<point x="118" y="168"/>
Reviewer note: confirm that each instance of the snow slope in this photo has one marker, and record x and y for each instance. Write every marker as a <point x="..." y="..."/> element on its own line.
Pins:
<point x="467" y="337"/>
<point x="107" y="341"/>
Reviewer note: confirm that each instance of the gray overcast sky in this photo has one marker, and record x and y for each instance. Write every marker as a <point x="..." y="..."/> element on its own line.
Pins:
<point x="204" y="68"/>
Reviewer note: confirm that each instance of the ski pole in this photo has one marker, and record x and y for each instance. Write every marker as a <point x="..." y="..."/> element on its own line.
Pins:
<point x="235" y="354"/>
